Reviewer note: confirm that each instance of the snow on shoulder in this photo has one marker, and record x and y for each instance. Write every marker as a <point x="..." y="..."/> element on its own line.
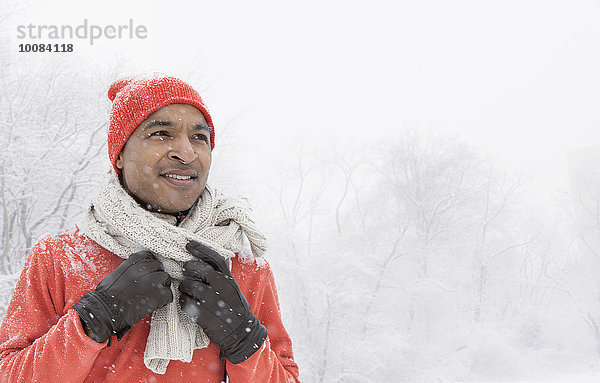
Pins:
<point x="246" y="256"/>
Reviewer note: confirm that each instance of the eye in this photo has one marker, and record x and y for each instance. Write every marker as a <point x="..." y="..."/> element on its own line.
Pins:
<point x="201" y="136"/>
<point x="159" y="133"/>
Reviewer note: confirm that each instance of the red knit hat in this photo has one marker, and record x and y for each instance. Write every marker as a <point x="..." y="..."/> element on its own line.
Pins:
<point x="135" y="98"/>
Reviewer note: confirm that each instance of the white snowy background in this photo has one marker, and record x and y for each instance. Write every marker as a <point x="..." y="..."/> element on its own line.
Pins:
<point x="428" y="172"/>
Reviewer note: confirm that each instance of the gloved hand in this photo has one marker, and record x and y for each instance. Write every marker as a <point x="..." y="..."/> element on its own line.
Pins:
<point x="133" y="290"/>
<point x="212" y="298"/>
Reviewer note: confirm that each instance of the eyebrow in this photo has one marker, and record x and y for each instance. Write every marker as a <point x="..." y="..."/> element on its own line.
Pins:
<point x="202" y="127"/>
<point x="153" y="123"/>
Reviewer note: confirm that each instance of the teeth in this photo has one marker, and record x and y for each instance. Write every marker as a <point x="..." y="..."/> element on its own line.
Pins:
<point x="178" y="177"/>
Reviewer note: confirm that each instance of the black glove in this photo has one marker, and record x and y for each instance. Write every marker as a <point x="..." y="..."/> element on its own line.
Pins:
<point x="212" y="298"/>
<point x="133" y="290"/>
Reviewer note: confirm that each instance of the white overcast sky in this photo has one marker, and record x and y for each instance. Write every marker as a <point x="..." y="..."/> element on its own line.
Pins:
<point x="518" y="79"/>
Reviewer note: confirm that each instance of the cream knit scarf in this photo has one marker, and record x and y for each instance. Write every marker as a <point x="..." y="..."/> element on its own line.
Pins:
<point x="119" y="224"/>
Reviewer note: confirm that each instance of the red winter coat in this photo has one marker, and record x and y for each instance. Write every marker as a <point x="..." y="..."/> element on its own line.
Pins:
<point x="42" y="340"/>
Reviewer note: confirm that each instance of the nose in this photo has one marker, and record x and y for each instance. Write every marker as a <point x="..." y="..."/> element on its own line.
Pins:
<point x="182" y="150"/>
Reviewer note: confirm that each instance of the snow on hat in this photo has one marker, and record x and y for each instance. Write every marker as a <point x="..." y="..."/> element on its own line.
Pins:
<point x="135" y="98"/>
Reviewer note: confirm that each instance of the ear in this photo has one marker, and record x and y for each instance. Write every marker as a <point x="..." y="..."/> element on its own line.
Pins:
<point x="119" y="162"/>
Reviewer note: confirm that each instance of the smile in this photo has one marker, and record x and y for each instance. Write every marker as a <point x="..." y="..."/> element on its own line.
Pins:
<point x="185" y="180"/>
<point x="178" y="177"/>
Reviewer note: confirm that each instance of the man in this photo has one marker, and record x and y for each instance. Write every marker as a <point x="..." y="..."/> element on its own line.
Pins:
<point x="165" y="283"/>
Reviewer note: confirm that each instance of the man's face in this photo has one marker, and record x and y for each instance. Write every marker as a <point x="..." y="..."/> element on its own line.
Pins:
<point x="166" y="160"/>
